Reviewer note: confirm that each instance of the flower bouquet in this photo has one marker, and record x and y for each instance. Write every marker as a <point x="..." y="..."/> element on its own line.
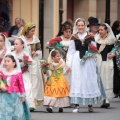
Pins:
<point x="3" y="80"/>
<point x="44" y="65"/>
<point x="92" y="50"/>
<point x="55" y="44"/>
<point x="52" y="43"/>
<point x="27" y="58"/>
<point x="45" y="68"/>
<point x="24" y="63"/>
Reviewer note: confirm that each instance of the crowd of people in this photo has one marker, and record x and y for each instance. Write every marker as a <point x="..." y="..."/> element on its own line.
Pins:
<point x="83" y="68"/>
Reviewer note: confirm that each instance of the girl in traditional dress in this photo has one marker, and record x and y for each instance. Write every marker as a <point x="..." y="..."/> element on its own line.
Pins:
<point x="25" y="60"/>
<point x="56" y="88"/>
<point x="84" y="88"/>
<point x="5" y="46"/>
<point x="12" y="96"/>
<point x="34" y="48"/>
<point x="105" y="42"/>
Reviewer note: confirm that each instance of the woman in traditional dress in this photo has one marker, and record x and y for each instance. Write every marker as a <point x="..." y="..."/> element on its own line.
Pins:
<point x="84" y="88"/>
<point x="105" y="42"/>
<point x="63" y="38"/>
<point x="34" y="48"/>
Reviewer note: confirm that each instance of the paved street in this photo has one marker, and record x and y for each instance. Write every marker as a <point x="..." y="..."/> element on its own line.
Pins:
<point x="113" y="113"/>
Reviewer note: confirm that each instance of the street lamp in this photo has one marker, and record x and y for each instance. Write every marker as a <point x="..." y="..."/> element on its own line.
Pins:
<point x="107" y="18"/>
<point x="60" y="12"/>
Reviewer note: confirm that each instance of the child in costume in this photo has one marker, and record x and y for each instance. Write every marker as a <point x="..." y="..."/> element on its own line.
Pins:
<point x="12" y="97"/>
<point x="25" y="60"/>
<point x="56" y="88"/>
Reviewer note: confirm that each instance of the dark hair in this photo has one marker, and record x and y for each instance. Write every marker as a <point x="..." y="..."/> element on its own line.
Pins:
<point x="12" y="58"/>
<point x="2" y="36"/>
<point x="103" y="25"/>
<point x="65" y="26"/>
<point x="54" y="53"/>
<point x="115" y="25"/>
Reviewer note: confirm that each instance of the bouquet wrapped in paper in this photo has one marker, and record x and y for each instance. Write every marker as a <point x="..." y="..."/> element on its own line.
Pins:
<point x="45" y="68"/>
<point x="53" y="43"/>
<point x="44" y="65"/>
<point x="92" y="51"/>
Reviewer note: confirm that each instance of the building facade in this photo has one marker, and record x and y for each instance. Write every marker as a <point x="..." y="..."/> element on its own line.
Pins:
<point x="49" y="14"/>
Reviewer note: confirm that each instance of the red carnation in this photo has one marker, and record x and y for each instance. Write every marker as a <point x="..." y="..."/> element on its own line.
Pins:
<point x="93" y="48"/>
<point x="57" y="39"/>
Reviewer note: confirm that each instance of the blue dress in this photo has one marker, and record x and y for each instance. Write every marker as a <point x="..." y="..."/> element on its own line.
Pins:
<point x="11" y="107"/>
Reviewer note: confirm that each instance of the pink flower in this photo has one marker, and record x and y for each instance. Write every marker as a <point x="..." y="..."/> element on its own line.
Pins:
<point x="27" y="58"/>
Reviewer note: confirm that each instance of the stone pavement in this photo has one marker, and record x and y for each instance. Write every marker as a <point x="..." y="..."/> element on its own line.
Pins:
<point x="113" y="113"/>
